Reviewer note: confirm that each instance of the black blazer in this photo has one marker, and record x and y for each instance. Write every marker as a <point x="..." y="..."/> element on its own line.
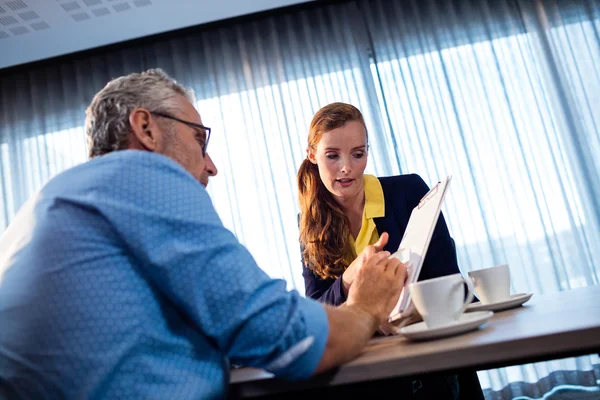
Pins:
<point x="401" y="193"/>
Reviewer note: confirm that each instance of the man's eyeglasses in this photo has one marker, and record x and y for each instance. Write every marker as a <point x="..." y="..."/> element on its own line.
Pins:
<point x="204" y="130"/>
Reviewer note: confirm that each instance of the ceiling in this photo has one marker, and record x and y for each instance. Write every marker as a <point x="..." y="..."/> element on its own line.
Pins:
<point x="32" y="30"/>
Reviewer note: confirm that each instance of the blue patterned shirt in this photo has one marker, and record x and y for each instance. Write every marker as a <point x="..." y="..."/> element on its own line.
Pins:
<point x="118" y="280"/>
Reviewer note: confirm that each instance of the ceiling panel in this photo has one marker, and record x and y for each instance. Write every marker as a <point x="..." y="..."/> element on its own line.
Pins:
<point x="32" y="30"/>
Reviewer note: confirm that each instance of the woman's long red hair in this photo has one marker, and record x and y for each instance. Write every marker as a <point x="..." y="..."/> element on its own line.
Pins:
<point x="324" y="227"/>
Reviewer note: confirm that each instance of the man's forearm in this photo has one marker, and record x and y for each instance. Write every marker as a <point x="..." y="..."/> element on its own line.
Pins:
<point x="350" y="328"/>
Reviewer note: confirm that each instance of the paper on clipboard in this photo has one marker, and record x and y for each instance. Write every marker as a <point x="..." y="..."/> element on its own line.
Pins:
<point x="415" y="242"/>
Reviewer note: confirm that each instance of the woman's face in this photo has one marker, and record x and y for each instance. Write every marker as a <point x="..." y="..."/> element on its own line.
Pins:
<point x="341" y="157"/>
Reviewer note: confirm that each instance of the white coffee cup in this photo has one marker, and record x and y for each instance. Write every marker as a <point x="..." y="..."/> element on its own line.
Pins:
<point x="441" y="301"/>
<point x="491" y="284"/>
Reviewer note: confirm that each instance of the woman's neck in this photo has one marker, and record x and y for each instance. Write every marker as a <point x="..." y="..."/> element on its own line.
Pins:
<point x="353" y="204"/>
<point x="354" y="207"/>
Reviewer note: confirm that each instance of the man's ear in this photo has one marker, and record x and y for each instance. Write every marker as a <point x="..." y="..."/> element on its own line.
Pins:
<point x="140" y="120"/>
<point x="310" y="154"/>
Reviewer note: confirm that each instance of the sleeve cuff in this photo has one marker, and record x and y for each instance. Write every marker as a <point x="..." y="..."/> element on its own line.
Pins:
<point x="309" y="350"/>
<point x="338" y="288"/>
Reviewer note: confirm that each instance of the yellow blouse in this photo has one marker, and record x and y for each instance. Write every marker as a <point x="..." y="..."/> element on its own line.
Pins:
<point x="374" y="208"/>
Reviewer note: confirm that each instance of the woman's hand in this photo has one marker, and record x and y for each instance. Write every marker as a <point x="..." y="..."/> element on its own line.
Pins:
<point x="350" y="274"/>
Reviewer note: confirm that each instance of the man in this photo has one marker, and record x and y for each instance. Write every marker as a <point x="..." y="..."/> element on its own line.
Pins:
<point x="118" y="280"/>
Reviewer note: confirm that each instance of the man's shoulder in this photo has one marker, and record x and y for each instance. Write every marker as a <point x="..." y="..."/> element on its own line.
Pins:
<point x="111" y="168"/>
<point x="130" y="160"/>
<point x="131" y="184"/>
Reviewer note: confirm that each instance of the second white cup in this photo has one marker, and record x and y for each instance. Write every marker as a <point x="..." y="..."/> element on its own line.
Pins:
<point x="491" y="284"/>
<point x="441" y="301"/>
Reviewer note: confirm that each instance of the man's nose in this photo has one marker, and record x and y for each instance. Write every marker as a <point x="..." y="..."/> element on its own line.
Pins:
<point x="210" y="166"/>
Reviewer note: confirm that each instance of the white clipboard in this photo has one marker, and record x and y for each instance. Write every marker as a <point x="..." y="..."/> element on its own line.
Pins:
<point x="415" y="242"/>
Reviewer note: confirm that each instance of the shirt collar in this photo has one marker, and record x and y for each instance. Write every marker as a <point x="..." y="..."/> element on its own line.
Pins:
<point x="374" y="201"/>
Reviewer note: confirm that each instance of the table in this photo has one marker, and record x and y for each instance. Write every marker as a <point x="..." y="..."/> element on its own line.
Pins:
<point x="552" y="326"/>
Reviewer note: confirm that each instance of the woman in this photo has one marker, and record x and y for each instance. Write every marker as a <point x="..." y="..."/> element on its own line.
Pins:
<point x="342" y="210"/>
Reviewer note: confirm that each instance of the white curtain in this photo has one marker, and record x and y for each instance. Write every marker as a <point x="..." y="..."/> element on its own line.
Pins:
<point x="500" y="94"/>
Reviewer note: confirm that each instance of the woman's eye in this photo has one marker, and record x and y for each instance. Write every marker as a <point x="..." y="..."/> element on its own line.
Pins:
<point x="331" y="156"/>
<point x="359" y="155"/>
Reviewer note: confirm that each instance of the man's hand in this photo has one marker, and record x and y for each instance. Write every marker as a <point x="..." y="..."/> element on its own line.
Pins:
<point x="350" y="274"/>
<point x="377" y="285"/>
<point x="374" y="292"/>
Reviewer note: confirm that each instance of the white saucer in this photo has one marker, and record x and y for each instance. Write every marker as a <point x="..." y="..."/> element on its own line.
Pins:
<point x="466" y="323"/>
<point x="513" y="301"/>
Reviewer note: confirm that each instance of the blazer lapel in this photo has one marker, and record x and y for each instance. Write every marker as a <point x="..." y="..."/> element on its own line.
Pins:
<point x="389" y="224"/>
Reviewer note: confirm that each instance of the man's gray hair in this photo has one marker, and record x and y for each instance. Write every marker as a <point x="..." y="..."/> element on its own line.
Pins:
<point x="107" y="118"/>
